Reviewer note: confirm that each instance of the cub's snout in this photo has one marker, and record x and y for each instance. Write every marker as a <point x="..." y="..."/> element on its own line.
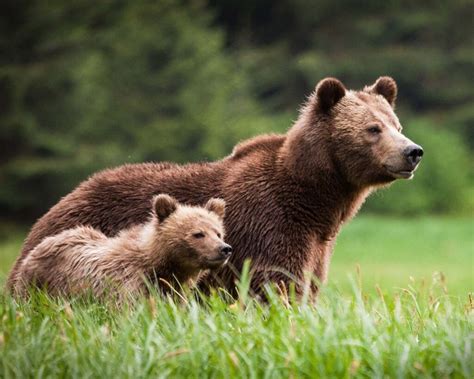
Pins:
<point x="221" y="256"/>
<point x="226" y="250"/>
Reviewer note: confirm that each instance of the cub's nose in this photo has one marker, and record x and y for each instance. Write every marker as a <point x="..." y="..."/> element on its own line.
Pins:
<point x="226" y="250"/>
<point x="413" y="153"/>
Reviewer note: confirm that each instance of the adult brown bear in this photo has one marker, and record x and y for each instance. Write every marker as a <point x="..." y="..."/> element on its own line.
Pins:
<point x="287" y="195"/>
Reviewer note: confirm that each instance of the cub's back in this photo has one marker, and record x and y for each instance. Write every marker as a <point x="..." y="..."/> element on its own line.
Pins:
<point x="58" y="259"/>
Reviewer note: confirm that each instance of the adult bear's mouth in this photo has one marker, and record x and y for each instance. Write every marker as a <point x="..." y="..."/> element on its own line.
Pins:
<point x="401" y="174"/>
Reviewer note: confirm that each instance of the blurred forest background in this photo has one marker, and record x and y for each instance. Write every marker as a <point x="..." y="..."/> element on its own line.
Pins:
<point x="87" y="84"/>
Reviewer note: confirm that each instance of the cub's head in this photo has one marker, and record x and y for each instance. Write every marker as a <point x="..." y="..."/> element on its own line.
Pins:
<point x="363" y="136"/>
<point x="195" y="235"/>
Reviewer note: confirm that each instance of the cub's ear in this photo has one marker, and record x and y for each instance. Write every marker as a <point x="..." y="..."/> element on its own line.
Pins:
<point x="328" y="92"/>
<point x="217" y="206"/>
<point x="163" y="206"/>
<point x="387" y="87"/>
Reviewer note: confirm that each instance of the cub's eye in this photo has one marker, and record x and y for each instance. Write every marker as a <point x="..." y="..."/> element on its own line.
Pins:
<point x="374" y="129"/>
<point x="219" y="235"/>
<point x="199" y="235"/>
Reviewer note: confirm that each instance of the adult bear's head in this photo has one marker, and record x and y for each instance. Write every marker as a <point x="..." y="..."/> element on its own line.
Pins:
<point x="353" y="133"/>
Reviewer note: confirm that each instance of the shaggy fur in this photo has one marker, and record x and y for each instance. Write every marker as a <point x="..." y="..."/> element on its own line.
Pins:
<point x="287" y="195"/>
<point x="175" y="245"/>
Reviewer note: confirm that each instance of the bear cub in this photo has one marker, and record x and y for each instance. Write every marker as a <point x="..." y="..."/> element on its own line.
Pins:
<point x="173" y="248"/>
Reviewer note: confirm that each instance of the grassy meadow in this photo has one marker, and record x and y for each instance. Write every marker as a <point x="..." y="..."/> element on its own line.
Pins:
<point x="398" y="304"/>
<point x="394" y="252"/>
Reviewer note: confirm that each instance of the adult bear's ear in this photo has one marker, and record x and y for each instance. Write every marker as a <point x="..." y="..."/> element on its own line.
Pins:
<point x="387" y="87"/>
<point x="328" y="92"/>
<point x="163" y="206"/>
<point x="217" y="206"/>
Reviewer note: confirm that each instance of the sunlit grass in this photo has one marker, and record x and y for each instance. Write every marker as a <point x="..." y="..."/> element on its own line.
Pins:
<point x="393" y="252"/>
<point x="410" y="334"/>
<point x="404" y="312"/>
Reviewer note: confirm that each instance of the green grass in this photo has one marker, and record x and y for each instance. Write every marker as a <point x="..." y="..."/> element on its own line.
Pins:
<point x="419" y="327"/>
<point x="413" y="334"/>
<point x="395" y="252"/>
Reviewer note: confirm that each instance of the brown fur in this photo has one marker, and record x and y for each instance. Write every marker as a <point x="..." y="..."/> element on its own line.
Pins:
<point x="287" y="195"/>
<point x="265" y="142"/>
<point x="83" y="259"/>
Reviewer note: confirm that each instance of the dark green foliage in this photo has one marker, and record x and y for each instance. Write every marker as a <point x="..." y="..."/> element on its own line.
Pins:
<point x="86" y="85"/>
<point x="426" y="46"/>
<point x="119" y="83"/>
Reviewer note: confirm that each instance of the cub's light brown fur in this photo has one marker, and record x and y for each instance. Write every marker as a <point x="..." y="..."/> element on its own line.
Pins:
<point x="83" y="259"/>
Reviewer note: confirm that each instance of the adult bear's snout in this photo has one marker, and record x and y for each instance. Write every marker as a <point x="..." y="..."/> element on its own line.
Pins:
<point x="413" y="153"/>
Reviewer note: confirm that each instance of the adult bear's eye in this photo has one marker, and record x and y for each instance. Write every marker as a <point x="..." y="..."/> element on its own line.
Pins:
<point x="375" y="129"/>
<point x="199" y="235"/>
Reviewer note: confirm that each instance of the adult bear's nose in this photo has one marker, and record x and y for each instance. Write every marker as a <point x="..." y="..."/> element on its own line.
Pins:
<point x="226" y="250"/>
<point x="413" y="153"/>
